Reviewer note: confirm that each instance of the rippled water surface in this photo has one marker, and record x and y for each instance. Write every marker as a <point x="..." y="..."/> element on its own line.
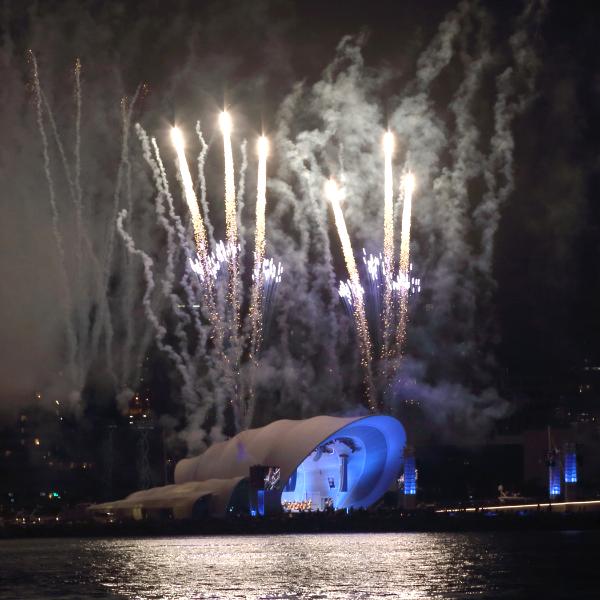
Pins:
<point x="407" y="565"/>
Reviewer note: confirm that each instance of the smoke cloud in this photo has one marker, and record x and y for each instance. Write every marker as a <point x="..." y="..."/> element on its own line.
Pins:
<point x="100" y="244"/>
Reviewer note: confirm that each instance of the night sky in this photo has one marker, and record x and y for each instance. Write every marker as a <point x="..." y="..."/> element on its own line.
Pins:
<point x="534" y="311"/>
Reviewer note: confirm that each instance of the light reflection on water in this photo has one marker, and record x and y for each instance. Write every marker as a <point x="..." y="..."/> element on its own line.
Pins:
<point x="353" y="566"/>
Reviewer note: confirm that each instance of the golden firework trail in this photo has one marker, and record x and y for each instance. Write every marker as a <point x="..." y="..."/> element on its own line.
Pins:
<point x="388" y="207"/>
<point x="190" y="196"/>
<point x="334" y="195"/>
<point x="231" y="229"/>
<point x="256" y="300"/>
<point x="204" y="267"/>
<point x="388" y="241"/>
<point x="408" y="187"/>
<point x="259" y="243"/>
<point x="261" y="198"/>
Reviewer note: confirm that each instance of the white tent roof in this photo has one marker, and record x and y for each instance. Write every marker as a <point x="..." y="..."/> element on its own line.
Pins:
<point x="179" y="498"/>
<point x="283" y="443"/>
<point x="286" y="443"/>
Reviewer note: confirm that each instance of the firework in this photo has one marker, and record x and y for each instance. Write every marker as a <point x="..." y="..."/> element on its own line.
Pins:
<point x="334" y="195"/>
<point x="388" y="238"/>
<point x="345" y="292"/>
<point x="378" y="278"/>
<point x="224" y="310"/>
<point x="261" y="198"/>
<point x="256" y="299"/>
<point x="408" y="187"/>
<point x="72" y="352"/>
<point x="271" y="276"/>
<point x="231" y="229"/>
<point x="190" y="195"/>
<point x="259" y="244"/>
<point x="388" y="210"/>
<point x="205" y="266"/>
<point x="230" y="201"/>
<point x="220" y="256"/>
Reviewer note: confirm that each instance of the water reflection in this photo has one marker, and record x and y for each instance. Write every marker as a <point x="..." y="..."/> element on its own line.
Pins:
<point x="357" y="566"/>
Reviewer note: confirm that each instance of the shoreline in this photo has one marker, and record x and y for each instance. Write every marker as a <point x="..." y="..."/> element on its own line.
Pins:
<point x="311" y="523"/>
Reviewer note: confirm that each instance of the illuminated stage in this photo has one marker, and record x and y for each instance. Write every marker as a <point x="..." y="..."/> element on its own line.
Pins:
<point x="308" y="465"/>
<point x="350" y="469"/>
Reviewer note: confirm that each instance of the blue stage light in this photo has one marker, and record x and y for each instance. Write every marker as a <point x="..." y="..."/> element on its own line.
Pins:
<point x="410" y="476"/>
<point x="554" y="480"/>
<point x="570" y="467"/>
<point x="350" y="469"/>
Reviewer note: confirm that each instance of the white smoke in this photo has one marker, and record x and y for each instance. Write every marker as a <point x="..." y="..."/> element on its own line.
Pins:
<point x="330" y="128"/>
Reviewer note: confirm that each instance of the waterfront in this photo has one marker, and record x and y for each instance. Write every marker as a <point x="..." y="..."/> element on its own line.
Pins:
<point x="396" y="565"/>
